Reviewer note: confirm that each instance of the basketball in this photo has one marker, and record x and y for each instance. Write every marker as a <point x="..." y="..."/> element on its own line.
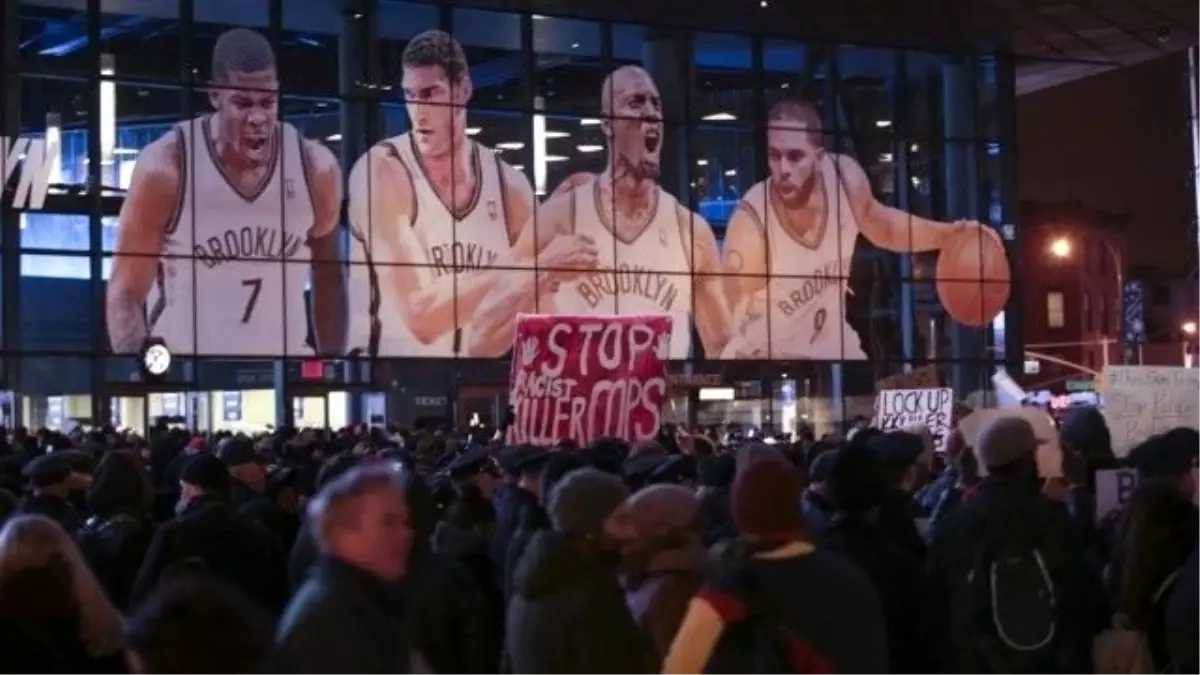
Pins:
<point x="973" y="277"/>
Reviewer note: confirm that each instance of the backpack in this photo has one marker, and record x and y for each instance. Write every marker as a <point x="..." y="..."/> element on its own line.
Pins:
<point x="1123" y="648"/>
<point x="1013" y="604"/>
<point x="758" y="641"/>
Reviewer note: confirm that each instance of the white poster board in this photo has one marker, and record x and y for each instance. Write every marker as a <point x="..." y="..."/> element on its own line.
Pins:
<point x="1115" y="488"/>
<point x="1141" y="401"/>
<point x="896" y="409"/>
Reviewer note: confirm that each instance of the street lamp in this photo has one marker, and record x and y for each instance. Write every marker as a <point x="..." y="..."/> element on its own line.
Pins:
<point x="1189" y="328"/>
<point x="1061" y="247"/>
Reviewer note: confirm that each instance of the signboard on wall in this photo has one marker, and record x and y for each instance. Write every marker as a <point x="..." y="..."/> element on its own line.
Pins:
<point x="584" y="378"/>
<point x="231" y="406"/>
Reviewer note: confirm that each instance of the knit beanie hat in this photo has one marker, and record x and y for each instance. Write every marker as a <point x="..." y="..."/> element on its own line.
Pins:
<point x="1004" y="441"/>
<point x="766" y="500"/>
<point x="584" y="499"/>
<point x="663" y="509"/>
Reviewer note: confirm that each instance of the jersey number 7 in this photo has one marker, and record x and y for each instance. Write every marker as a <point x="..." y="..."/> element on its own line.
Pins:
<point x="255" y="286"/>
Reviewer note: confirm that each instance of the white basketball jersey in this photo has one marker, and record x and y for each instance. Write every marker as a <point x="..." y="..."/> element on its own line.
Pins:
<point x="460" y="246"/>
<point x="234" y="267"/>
<point x="809" y="274"/>
<point x="650" y="274"/>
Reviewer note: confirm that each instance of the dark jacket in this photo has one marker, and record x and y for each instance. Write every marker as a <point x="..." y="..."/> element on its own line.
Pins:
<point x="507" y="501"/>
<point x="30" y="644"/>
<point x="897" y="522"/>
<point x="658" y="588"/>
<point x="913" y="622"/>
<point x="343" y="620"/>
<point x="60" y="511"/>
<point x="716" y="515"/>
<point x="533" y="519"/>
<point x="816" y="511"/>
<point x="212" y="536"/>
<point x="268" y="514"/>
<point x="929" y="496"/>
<point x="116" y="536"/>
<point x="1182" y="620"/>
<point x="471" y="553"/>
<point x="568" y="614"/>
<point x="1001" y="503"/>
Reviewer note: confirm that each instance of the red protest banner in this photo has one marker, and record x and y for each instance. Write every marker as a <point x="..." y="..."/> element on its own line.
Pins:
<point x="588" y="377"/>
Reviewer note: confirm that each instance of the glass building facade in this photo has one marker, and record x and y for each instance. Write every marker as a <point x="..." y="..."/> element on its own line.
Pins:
<point x="326" y="234"/>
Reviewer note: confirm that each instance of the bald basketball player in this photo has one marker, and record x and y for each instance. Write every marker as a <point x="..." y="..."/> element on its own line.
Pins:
<point x="225" y="218"/>
<point x="647" y="245"/>
<point x="435" y="215"/>
<point x="799" y="227"/>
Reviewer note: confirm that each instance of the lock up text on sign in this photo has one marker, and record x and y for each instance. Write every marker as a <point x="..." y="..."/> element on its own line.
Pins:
<point x="589" y="377"/>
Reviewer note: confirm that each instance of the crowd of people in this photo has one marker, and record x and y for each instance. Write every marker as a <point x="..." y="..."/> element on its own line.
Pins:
<point x="376" y="551"/>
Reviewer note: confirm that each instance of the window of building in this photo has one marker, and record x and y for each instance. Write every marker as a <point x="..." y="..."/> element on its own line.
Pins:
<point x="1055" y="310"/>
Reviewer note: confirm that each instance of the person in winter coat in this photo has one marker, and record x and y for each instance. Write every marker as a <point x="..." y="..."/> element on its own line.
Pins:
<point x="662" y="568"/>
<point x="532" y="517"/>
<point x="900" y="453"/>
<point x="350" y="615"/>
<point x="115" y="537"/>
<point x="826" y="603"/>
<point x="814" y="504"/>
<point x="49" y="478"/>
<point x="568" y="612"/>
<point x="716" y="475"/>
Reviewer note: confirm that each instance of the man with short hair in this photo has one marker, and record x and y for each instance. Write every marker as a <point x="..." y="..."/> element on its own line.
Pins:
<point x="434" y="215"/>
<point x="226" y="217"/>
<point x="349" y="615"/>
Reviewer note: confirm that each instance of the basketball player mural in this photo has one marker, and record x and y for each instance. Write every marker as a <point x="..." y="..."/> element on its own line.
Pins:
<point x="435" y="215"/>
<point x="796" y="232"/>
<point x="618" y="243"/>
<point x="226" y="216"/>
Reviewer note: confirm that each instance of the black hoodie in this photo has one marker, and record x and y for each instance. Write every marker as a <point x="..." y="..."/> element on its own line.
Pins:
<point x="115" y="537"/>
<point x="568" y="614"/>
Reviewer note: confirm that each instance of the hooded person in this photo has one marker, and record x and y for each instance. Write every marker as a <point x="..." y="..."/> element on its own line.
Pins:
<point x="662" y="567"/>
<point x="115" y="537"/>
<point x="568" y="613"/>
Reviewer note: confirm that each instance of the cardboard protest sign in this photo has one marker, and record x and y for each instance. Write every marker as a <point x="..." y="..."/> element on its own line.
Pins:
<point x="1049" y="452"/>
<point x="1141" y="401"/>
<point x="896" y="409"/>
<point x="1115" y="488"/>
<point x="588" y="377"/>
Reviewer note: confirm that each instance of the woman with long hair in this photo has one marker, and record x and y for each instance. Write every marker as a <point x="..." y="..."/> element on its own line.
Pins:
<point x="1155" y="537"/>
<point x="54" y="615"/>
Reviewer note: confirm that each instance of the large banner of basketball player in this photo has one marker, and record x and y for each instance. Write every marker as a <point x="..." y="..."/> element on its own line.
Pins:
<point x="788" y="249"/>
<point x="588" y="377"/>
<point x="227" y="240"/>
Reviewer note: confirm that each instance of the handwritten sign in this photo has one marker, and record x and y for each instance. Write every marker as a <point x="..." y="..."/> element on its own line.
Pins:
<point x="1115" y="488"/>
<point x="896" y="409"/>
<point x="588" y="377"/>
<point x="1141" y="401"/>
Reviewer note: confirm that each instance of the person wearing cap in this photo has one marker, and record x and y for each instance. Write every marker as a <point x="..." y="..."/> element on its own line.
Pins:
<point x="856" y="488"/>
<point x="900" y="454"/>
<point x="210" y="535"/>
<point x="568" y="611"/>
<point x="50" y="481"/>
<point x="533" y="518"/>
<point x="522" y="464"/>
<point x="248" y="490"/>
<point x="814" y="504"/>
<point x="1007" y="503"/>
<point x="827" y="605"/>
<point x="716" y="476"/>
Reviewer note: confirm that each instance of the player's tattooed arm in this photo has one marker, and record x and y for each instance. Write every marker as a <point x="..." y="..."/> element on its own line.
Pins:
<point x="150" y="208"/>
<point x="887" y="227"/>
<point x="328" y="282"/>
